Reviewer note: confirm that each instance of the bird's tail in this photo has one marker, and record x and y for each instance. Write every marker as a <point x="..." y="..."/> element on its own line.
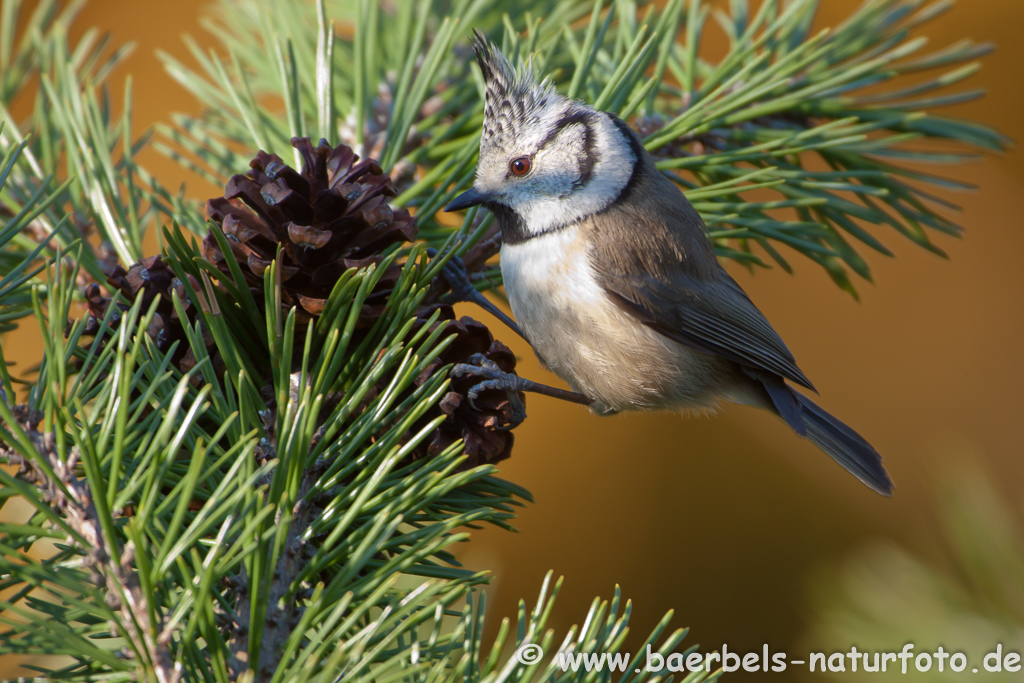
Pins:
<point x="845" y="446"/>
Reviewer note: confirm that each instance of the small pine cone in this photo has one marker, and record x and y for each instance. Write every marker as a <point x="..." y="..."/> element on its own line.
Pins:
<point x="326" y="219"/>
<point x="479" y="427"/>
<point x="147" y="279"/>
<point x="331" y="216"/>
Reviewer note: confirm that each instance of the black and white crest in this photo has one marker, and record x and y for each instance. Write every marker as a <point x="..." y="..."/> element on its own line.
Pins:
<point x="572" y="160"/>
<point x="514" y="98"/>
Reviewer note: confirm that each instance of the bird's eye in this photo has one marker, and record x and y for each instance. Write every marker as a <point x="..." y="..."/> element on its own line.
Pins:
<point x="520" y="166"/>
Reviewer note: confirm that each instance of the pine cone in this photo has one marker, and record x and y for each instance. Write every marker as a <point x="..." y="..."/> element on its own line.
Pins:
<point x="147" y="279"/>
<point x="329" y="217"/>
<point x="479" y="427"/>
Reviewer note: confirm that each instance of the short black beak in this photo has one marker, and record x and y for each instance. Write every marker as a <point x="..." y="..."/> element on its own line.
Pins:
<point x="471" y="197"/>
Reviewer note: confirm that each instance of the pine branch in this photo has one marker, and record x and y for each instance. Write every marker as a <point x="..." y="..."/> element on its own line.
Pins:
<point x="264" y="456"/>
<point x="72" y="135"/>
<point x="23" y="239"/>
<point x="61" y="489"/>
<point x="971" y="596"/>
<point x="763" y="117"/>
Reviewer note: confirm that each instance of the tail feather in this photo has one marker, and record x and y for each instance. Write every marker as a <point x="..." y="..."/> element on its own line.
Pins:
<point x="844" y="445"/>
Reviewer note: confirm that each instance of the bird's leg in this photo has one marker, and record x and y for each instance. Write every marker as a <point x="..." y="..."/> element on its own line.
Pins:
<point x="496" y="378"/>
<point x="457" y="277"/>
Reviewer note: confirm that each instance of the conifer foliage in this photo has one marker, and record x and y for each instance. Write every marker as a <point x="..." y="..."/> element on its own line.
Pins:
<point x="243" y="457"/>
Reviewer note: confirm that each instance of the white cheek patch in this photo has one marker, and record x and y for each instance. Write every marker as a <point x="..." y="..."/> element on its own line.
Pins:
<point x="556" y="170"/>
<point x="543" y="210"/>
<point x="559" y="162"/>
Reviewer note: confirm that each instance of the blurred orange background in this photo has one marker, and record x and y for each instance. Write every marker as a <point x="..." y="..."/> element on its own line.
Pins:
<point x="725" y="520"/>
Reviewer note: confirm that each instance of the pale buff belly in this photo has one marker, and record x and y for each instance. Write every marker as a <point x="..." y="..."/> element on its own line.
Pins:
<point x="594" y="346"/>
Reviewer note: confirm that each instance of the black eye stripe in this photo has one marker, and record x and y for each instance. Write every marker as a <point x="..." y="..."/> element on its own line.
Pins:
<point x="589" y="158"/>
<point x="586" y="162"/>
<point x="567" y="120"/>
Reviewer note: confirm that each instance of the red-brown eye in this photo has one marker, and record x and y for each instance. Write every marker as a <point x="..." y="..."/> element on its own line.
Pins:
<point x="520" y="166"/>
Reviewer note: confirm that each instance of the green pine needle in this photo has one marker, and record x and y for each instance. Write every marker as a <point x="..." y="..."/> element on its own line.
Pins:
<point x="259" y="511"/>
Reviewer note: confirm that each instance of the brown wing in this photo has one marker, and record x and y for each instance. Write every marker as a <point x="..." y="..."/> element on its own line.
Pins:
<point x="652" y="255"/>
<point x="715" y="317"/>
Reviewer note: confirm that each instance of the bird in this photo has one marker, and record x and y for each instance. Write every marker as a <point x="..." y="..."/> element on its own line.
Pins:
<point x="612" y="277"/>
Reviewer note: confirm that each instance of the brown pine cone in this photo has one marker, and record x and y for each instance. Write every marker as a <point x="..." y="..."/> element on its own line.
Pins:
<point x="479" y="427"/>
<point x="147" y="279"/>
<point x="331" y="216"/>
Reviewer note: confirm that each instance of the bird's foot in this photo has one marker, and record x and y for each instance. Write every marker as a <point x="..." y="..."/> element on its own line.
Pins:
<point x="456" y="275"/>
<point x="495" y="378"/>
